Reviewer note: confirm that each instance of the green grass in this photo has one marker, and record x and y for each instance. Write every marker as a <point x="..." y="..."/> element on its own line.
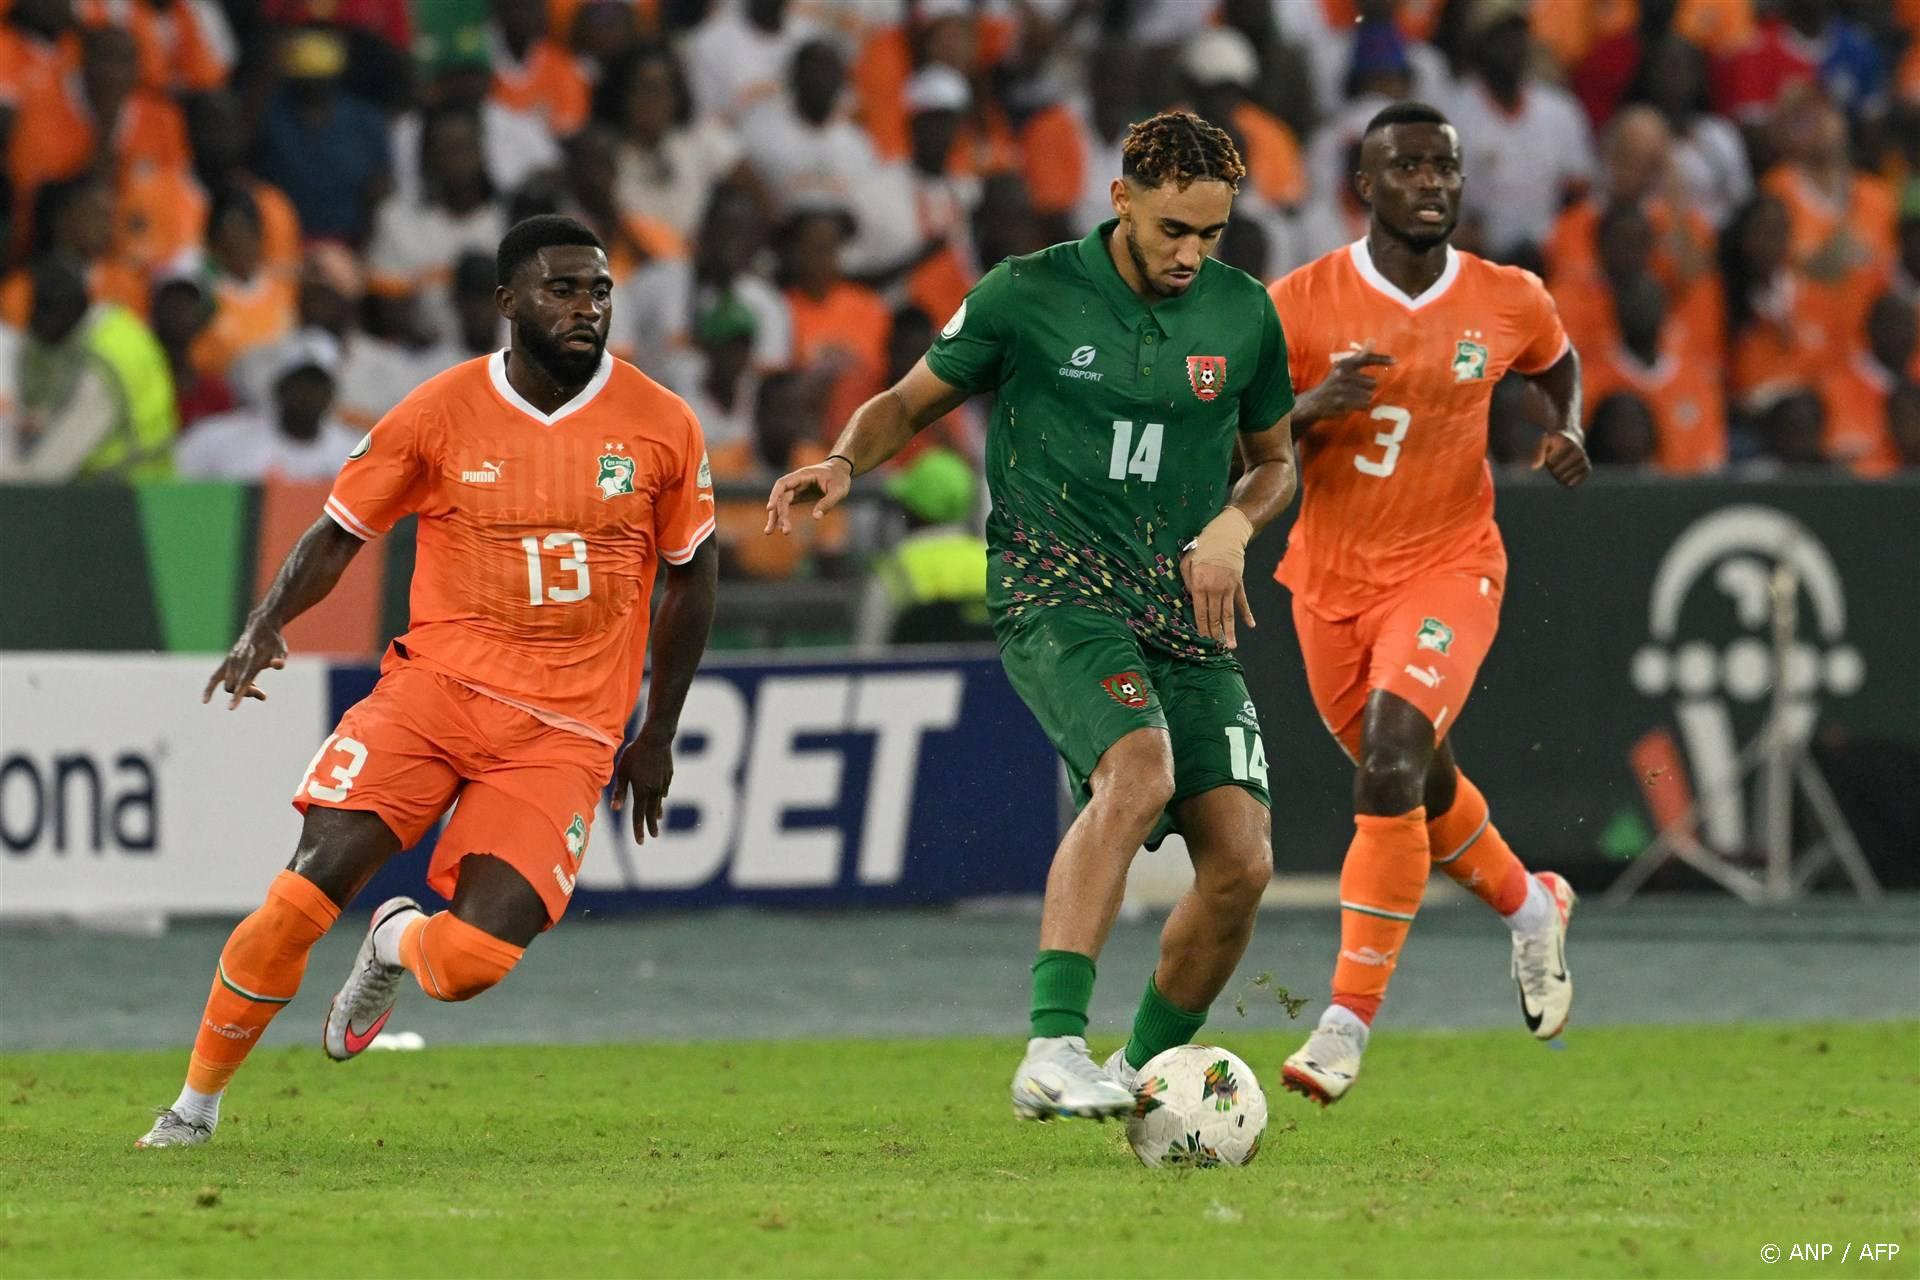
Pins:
<point x="1655" y="1151"/>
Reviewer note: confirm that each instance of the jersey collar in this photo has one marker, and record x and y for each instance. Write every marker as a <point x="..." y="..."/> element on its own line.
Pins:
<point x="497" y="372"/>
<point x="1127" y="304"/>
<point x="1363" y="263"/>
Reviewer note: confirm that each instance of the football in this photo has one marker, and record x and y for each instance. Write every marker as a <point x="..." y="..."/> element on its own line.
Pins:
<point x="1198" y="1106"/>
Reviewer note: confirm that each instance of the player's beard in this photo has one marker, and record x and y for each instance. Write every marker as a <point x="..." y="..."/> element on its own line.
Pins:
<point x="563" y="364"/>
<point x="1423" y="239"/>
<point x="1140" y="265"/>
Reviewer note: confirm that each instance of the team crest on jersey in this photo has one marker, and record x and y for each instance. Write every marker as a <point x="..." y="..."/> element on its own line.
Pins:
<point x="360" y="450"/>
<point x="1208" y="374"/>
<point x="1128" y="689"/>
<point x="1469" y="361"/>
<point x="1434" y="634"/>
<point x="577" y="838"/>
<point x="616" y="476"/>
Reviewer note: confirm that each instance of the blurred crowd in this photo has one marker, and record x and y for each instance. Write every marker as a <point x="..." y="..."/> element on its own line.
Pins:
<point x="238" y="232"/>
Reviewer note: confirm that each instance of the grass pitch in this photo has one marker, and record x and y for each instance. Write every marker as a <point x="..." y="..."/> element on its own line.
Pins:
<point x="1648" y="1152"/>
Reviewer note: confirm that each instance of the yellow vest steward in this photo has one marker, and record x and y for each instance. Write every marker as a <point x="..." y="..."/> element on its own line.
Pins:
<point x="141" y="446"/>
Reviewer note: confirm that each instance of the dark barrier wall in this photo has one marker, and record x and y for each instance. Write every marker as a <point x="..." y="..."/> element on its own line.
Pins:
<point x="1635" y="660"/>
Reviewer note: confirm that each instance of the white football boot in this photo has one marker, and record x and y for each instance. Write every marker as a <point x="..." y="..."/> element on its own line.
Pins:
<point x="1540" y="965"/>
<point x="171" y="1129"/>
<point x="1325" y="1067"/>
<point x="1120" y="1073"/>
<point x="1059" y="1078"/>
<point x="365" y="1003"/>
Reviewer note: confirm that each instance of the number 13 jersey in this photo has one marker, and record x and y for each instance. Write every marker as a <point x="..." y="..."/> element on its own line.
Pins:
<point x="1402" y="489"/>
<point x="540" y="534"/>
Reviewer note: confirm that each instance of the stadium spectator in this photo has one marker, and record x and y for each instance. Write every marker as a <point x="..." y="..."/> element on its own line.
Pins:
<point x="76" y="218"/>
<point x="1035" y="91"/>
<point x="296" y="438"/>
<point x="1525" y="141"/>
<point x="722" y="397"/>
<point x="1006" y="224"/>
<point x="379" y="38"/>
<point x="599" y="32"/>
<point x="909" y="335"/>
<point x="517" y="145"/>
<point x="1856" y="389"/>
<point x="787" y="430"/>
<point x="1623" y="433"/>
<point x="532" y="71"/>
<point x="182" y="46"/>
<point x="931" y="586"/>
<point x="252" y="306"/>
<point x="181" y="310"/>
<point x="737" y="58"/>
<point x="1378" y="72"/>
<point x="1374" y="43"/>
<point x="455" y="210"/>
<point x="94" y="394"/>
<point x="1780" y="324"/>
<point x="1840" y="221"/>
<point x="479" y="328"/>
<point x="1709" y="157"/>
<point x="325" y="148"/>
<point x="655" y="310"/>
<point x="1112" y="103"/>
<point x="104" y="109"/>
<point x="592" y="196"/>
<point x="1287" y="84"/>
<point x="1219" y="69"/>
<point x="839" y="327"/>
<point x="1803" y="43"/>
<point x="801" y="144"/>
<point x="1791" y="433"/>
<point x="1648" y="362"/>
<point x="670" y="165"/>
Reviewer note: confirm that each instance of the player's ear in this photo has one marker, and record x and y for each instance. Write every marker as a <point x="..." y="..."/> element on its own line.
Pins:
<point x="504" y="300"/>
<point x="1121" y="197"/>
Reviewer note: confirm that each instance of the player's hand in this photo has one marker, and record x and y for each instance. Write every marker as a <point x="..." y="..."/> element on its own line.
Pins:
<point x="827" y="481"/>
<point x="645" y="766"/>
<point x="1347" y="389"/>
<point x="1218" y="594"/>
<point x="1564" y="457"/>
<point x="258" y="648"/>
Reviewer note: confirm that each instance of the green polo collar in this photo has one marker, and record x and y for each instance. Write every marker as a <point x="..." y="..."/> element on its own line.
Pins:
<point x="1127" y="304"/>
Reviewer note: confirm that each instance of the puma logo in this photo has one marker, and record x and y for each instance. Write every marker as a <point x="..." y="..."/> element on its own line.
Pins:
<point x="489" y="473"/>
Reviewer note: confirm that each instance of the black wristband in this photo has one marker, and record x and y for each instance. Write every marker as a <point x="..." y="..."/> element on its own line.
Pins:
<point x="851" y="469"/>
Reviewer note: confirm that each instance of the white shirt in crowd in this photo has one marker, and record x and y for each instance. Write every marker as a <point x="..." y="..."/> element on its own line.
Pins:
<point x="672" y="183"/>
<point x="720" y="427"/>
<point x="246" y="445"/>
<point x="807" y="165"/>
<point x="734" y="67"/>
<point x="1519" y="166"/>
<point x="899" y="209"/>
<point x="418" y="244"/>
<point x="653" y="317"/>
<point x="1711" y="162"/>
<point x="514" y="145"/>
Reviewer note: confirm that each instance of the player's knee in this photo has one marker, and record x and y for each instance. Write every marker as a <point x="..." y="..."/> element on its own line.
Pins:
<point x="1239" y="878"/>
<point x="1390" y="781"/>
<point x="1135" y="777"/>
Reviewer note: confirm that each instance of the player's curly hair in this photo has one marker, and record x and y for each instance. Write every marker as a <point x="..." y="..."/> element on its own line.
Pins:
<point x="1181" y="148"/>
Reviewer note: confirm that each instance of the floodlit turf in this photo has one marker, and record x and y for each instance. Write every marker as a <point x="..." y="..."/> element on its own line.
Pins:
<point x="1646" y="1152"/>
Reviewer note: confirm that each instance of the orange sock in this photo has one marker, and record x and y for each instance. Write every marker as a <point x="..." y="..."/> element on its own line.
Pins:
<point x="1381" y="881"/>
<point x="452" y="959"/>
<point x="1470" y="849"/>
<point x="259" y="972"/>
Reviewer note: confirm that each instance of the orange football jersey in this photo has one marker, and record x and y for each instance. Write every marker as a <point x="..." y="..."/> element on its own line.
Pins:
<point x="540" y="534"/>
<point x="1403" y="488"/>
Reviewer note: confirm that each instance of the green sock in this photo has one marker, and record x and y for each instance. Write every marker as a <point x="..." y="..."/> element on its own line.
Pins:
<point x="1159" y="1025"/>
<point x="1062" y="990"/>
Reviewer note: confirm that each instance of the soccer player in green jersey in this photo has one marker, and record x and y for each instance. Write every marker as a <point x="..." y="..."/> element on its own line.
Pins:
<point x="1127" y="368"/>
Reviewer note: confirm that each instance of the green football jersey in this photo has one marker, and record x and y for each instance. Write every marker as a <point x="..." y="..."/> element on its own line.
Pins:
<point x="1113" y="428"/>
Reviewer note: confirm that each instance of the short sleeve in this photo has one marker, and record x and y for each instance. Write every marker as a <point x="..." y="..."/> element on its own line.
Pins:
<point x="382" y="477"/>
<point x="1543" y="338"/>
<point x="1269" y="396"/>
<point x="970" y="351"/>
<point x="683" y="513"/>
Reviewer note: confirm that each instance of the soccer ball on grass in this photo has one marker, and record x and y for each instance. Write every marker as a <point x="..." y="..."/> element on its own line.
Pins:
<point x="1199" y="1106"/>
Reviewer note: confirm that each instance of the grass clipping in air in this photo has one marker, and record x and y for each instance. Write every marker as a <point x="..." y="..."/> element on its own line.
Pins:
<point x="1665" y="1151"/>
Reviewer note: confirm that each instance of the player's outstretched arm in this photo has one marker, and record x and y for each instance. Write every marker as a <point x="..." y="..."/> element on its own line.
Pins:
<point x="1563" y="452"/>
<point x="306" y="576"/>
<point x="878" y="429"/>
<point x="680" y="628"/>
<point x="1215" y="565"/>
<point x="1348" y="388"/>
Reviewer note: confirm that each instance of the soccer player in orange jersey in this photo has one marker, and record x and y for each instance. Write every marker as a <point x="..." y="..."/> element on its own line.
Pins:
<point x="551" y="481"/>
<point x="1396" y="567"/>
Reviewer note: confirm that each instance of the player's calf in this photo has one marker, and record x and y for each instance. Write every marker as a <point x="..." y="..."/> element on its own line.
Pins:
<point x="454" y="960"/>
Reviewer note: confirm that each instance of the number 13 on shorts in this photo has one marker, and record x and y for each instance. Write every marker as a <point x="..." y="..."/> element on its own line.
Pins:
<point x="334" y="785"/>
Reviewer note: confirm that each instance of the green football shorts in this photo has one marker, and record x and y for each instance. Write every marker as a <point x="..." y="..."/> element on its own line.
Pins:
<point x="1089" y="682"/>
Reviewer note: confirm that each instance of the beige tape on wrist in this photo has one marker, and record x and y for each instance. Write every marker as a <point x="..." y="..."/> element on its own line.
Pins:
<point x="1224" y="541"/>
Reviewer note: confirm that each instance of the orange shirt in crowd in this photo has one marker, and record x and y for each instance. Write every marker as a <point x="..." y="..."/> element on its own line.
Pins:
<point x="848" y="329"/>
<point x="246" y="314"/>
<point x="1571" y="28"/>
<point x="162" y="215"/>
<point x="1274" y="166"/>
<point x="108" y="280"/>
<point x="176" y="54"/>
<point x="1787" y="350"/>
<point x="742" y="524"/>
<point x="1403" y="488"/>
<point x="646" y="240"/>
<point x="55" y="136"/>
<point x="1053" y="160"/>
<point x="1689" y="414"/>
<point x="540" y="534"/>
<point x="1416" y="19"/>
<point x="561" y="15"/>
<point x="1855" y="390"/>
<point x="1812" y="219"/>
<point x="1696" y="304"/>
<point x="549" y="83"/>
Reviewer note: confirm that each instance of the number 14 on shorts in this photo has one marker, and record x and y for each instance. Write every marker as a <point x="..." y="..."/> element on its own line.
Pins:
<point x="1246" y="754"/>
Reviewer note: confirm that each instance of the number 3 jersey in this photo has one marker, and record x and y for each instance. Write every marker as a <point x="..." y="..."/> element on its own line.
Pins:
<point x="1403" y="489"/>
<point x="1113" y="430"/>
<point x="540" y="534"/>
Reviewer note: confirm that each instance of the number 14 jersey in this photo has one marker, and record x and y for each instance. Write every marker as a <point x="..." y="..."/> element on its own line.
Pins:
<point x="540" y="534"/>
<point x="1403" y="489"/>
